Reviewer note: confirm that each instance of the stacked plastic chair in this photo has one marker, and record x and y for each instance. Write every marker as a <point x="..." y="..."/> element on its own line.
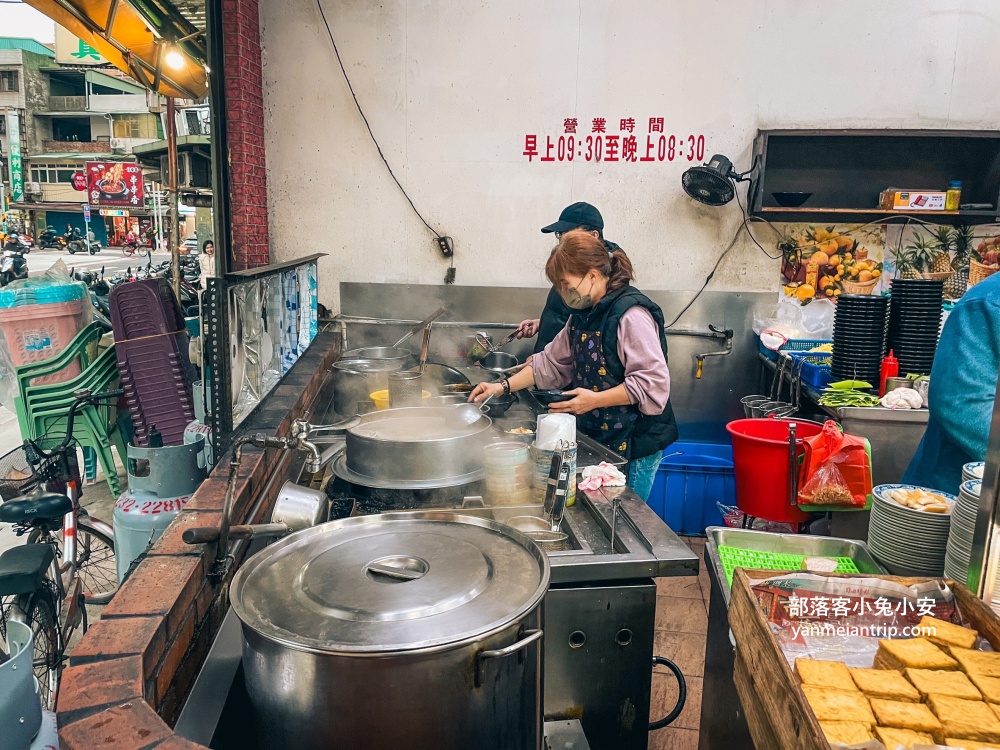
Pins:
<point x="152" y="345"/>
<point x="44" y="397"/>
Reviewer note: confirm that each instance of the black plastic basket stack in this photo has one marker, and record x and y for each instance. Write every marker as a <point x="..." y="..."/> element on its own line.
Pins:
<point x="915" y="323"/>
<point x="152" y="346"/>
<point x="859" y="337"/>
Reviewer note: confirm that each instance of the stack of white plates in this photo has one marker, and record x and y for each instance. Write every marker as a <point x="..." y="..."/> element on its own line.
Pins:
<point x="973" y="470"/>
<point x="963" y="526"/>
<point x="908" y="542"/>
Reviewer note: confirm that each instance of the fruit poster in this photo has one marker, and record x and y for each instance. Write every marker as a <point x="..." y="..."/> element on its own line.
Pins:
<point x="824" y="262"/>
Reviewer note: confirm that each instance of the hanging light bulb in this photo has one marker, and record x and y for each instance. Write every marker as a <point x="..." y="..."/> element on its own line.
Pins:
<point x="174" y="59"/>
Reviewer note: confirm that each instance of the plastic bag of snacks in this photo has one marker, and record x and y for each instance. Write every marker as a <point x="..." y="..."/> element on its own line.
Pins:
<point x="827" y="487"/>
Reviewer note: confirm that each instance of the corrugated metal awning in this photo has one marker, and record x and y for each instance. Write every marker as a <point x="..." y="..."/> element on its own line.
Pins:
<point x="136" y="37"/>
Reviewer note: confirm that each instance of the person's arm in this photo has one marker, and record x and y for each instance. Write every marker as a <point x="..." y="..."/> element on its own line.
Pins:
<point x="647" y="381"/>
<point x="647" y="378"/>
<point x="964" y="378"/>
<point x="550" y="368"/>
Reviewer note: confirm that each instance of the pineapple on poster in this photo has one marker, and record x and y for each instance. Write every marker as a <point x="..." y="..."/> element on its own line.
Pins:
<point x="823" y="262"/>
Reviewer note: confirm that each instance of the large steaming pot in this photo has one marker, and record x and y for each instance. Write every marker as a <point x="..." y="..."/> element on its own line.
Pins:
<point x="413" y="448"/>
<point x="403" y="630"/>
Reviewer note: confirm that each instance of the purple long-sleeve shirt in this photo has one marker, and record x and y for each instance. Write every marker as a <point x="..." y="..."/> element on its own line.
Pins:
<point x="647" y="379"/>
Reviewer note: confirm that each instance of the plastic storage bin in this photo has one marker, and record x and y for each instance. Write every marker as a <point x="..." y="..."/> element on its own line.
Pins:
<point x="36" y="332"/>
<point x="688" y="486"/>
<point x="792" y="345"/>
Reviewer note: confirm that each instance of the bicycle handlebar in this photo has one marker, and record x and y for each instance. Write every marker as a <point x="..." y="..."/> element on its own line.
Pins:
<point x="71" y="417"/>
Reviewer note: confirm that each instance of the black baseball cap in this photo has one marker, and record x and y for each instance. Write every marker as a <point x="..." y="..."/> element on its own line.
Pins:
<point x="575" y="216"/>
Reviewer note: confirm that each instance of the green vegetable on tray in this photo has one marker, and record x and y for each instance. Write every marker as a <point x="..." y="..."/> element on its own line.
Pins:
<point x="849" y="385"/>
<point x="848" y="396"/>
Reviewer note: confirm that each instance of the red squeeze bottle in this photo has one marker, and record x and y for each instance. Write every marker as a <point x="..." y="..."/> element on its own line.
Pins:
<point x="890" y="369"/>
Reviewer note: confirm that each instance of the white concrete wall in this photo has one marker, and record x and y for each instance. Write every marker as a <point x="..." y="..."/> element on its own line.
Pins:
<point x="451" y="89"/>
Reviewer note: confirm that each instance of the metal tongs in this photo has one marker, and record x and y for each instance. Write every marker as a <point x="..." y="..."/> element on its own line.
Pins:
<point x="556" y="490"/>
<point x="484" y="341"/>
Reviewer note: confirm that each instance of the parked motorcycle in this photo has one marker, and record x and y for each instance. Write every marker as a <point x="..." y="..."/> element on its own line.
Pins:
<point x="13" y="267"/>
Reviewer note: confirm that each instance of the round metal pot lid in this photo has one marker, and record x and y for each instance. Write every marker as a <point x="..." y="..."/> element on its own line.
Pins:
<point x="392" y="582"/>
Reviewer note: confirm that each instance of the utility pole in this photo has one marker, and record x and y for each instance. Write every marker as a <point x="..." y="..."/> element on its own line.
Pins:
<point x="175" y="243"/>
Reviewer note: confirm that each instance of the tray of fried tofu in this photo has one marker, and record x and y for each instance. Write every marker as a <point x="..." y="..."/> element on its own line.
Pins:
<point x="940" y="688"/>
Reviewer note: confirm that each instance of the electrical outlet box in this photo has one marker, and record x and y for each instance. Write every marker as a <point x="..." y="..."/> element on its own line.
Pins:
<point x="446" y="246"/>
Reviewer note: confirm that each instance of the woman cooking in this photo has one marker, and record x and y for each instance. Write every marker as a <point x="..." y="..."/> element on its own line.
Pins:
<point x="612" y="354"/>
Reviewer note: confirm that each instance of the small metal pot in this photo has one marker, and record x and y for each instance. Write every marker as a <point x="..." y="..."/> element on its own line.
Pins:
<point x="354" y="380"/>
<point x="498" y="361"/>
<point x="892" y="384"/>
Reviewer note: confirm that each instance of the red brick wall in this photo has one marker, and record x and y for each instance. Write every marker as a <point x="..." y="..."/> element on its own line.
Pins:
<point x="245" y="132"/>
<point x="131" y="673"/>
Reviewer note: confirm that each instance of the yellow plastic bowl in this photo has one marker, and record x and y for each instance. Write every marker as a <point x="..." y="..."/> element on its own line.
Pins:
<point x="381" y="398"/>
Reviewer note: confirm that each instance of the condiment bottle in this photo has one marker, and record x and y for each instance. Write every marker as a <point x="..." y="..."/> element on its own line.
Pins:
<point x="890" y="369"/>
<point x="953" y="197"/>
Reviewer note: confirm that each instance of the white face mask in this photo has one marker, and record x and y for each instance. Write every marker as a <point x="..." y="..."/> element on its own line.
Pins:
<point x="576" y="301"/>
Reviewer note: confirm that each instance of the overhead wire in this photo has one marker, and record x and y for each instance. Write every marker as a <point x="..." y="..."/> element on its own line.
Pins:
<point x="371" y="134"/>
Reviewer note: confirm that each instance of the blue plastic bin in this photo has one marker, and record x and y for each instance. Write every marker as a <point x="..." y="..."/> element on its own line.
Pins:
<point x="688" y="486"/>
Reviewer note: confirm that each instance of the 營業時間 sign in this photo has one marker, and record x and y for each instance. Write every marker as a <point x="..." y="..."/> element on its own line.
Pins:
<point x="114" y="184"/>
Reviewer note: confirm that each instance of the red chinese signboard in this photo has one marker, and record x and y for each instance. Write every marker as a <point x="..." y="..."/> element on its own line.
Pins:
<point x="114" y="184"/>
<point x="629" y="144"/>
<point x="79" y="181"/>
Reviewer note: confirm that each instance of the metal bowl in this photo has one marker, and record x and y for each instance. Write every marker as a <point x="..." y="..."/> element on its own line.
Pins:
<point x="498" y="361"/>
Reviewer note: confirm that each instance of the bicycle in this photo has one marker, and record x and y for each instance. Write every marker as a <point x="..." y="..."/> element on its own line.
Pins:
<point x="47" y="583"/>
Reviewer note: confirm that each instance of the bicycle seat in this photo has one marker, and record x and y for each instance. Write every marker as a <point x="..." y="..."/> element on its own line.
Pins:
<point x="23" y="568"/>
<point x="42" y="506"/>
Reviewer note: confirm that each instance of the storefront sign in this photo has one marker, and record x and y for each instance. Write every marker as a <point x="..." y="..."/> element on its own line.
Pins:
<point x="79" y="181"/>
<point x="16" y="167"/>
<point x="597" y="140"/>
<point x="72" y="50"/>
<point x="113" y="212"/>
<point x="114" y="184"/>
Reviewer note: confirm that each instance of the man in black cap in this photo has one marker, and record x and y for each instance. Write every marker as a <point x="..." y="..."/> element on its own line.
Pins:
<point x="556" y="313"/>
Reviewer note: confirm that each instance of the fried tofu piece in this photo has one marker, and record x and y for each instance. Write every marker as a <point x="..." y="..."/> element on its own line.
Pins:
<point x="831" y="674"/>
<point x="962" y="719"/>
<point x="846" y="732"/>
<point x="839" y="705"/>
<point x="893" y="738"/>
<point x="884" y="683"/>
<point x="946" y="633"/>
<point x="986" y="663"/>
<point x="970" y="744"/>
<point x="918" y="653"/>
<point x="903" y="715"/>
<point x="943" y="682"/>
<point x="988" y="686"/>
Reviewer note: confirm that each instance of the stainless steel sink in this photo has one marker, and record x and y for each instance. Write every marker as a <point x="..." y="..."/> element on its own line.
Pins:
<point x="790" y="544"/>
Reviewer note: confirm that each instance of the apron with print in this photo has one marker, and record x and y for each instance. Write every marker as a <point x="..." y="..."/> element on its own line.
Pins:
<point x="613" y="425"/>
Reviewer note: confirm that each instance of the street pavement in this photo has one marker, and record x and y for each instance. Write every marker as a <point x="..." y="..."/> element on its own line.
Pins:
<point x="96" y="498"/>
<point x="109" y="258"/>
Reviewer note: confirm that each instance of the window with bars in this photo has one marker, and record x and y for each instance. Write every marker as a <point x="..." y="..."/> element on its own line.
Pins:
<point x="9" y="80"/>
<point x="54" y="172"/>
<point x="136" y="126"/>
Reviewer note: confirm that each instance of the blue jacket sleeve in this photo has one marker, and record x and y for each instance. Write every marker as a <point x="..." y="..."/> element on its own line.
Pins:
<point x="964" y="378"/>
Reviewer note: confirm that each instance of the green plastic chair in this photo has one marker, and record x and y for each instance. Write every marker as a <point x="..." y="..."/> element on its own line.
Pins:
<point x="41" y="409"/>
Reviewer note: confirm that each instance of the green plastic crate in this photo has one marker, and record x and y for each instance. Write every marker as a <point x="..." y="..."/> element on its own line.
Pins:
<point x="734" y="557"/>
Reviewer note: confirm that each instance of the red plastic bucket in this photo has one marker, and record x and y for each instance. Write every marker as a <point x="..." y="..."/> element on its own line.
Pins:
<point x="760" y="460"/>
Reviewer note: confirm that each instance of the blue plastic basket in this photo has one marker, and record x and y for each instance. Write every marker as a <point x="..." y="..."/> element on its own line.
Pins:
<point x="688" y="486"/>
<point x="815" y="368"/>
<point x="792" y="345"/>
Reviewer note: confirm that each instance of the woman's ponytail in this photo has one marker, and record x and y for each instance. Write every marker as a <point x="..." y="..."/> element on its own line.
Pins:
<point x="621" y="269"/>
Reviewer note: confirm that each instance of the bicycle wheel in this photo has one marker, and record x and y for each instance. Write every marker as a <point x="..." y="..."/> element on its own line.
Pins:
<point x="95" y="561"/>
<point x="47" y="659"/>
